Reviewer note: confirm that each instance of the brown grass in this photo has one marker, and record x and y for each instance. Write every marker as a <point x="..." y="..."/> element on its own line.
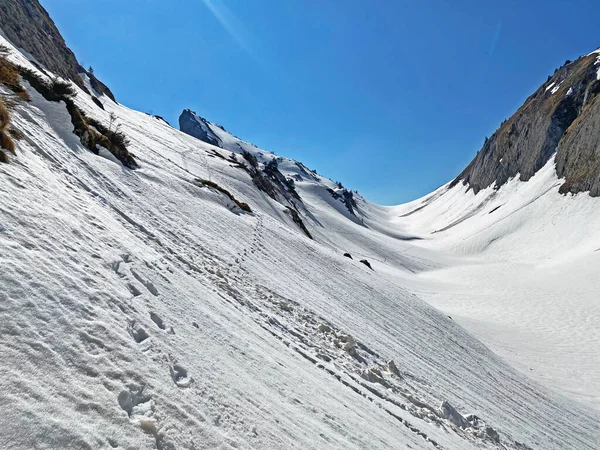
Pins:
<point x="243" y="206"/>
<point x="90" y="131"/>
<point x="9" y="75"/>
<point x="6" y="141"/>
<point x="4" y="116"/>
<point x="11" y="78"/>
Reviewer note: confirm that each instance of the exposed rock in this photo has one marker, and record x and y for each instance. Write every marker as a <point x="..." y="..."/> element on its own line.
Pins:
<point x="298" y="221"/>
<point x="346" y="197"/>
<point x="492" y="434"/>
<point x="194" y="125"/>
<point x="348" y="255"/>
<point x="28" y="26"/>
<point x="578" y="157"/>
<point x="366" y="263"/>
<point x="561" y="116"/>
<point x="98" y="85"/>
<point x="286" y="307"/>
<point x="265" y="176"/>
<point x="347" y="343"/>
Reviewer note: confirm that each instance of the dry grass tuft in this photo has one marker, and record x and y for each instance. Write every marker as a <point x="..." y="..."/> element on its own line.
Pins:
<point x="6" y="141"/>
<point x="11" y="78"/>
<point x="242" y="205"/>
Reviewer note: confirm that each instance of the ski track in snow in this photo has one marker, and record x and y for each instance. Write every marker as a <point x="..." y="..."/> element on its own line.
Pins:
<point x="140" y="310"/>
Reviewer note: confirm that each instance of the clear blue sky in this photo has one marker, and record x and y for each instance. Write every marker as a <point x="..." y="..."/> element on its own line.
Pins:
<point x="391" y="97"/>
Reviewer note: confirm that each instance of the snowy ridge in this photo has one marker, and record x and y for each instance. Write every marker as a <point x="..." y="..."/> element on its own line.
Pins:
<point x="140" y="309"/>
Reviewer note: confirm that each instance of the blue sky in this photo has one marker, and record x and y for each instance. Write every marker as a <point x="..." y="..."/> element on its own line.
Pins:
<point x="391" y="97"/>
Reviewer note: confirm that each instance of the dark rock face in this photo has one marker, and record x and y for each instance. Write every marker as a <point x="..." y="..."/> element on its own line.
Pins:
<point x="558" y="117"/>
<point x="578" y="157"/>
<point x="347" y="197"/>
<point x="28" y="26"/>
<point x="194" y="125"/>
<point x="98" y="85"/>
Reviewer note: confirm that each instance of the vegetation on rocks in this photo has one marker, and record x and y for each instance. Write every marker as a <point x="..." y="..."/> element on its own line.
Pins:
<point x="92" y="133"/>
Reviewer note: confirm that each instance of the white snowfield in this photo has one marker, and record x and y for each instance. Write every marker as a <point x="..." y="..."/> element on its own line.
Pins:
<point x="140" y="309"/>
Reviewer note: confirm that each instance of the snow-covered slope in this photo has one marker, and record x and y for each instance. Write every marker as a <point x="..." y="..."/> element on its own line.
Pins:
<point x="525" y="277"/>
<point x="144" y="309"/>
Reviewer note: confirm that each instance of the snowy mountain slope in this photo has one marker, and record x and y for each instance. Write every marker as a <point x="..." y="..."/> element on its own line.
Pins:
<point x="531" y="250"/>
<point x="142" y="309"/>
<point x="525" y="275"/>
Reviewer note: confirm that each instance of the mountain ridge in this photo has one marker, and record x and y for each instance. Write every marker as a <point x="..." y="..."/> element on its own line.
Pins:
<point x="552" y="120"/>
<point x="29" y="26"/>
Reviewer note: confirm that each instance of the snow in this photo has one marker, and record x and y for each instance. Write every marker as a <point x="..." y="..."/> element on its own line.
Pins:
<point x="556" y="88"/>
<point x="595" y="52"/>
<point x="139" y="310"/>
<point x="526" y="284"/>
<point x="553" y="87"/>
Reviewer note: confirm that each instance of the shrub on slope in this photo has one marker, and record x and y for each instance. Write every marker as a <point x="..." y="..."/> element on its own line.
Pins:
<point x="91" y="132"/>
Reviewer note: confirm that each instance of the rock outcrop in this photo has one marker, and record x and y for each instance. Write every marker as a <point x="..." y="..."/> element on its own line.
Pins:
<point x="194" y="125"/>
<point x="28" y="26"/>
<point x="560" y="117"/>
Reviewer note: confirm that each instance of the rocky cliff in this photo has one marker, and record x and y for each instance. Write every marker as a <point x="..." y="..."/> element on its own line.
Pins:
<point x="194" y="125"/>
<point x="28" y="26"/>
<point x="562" y="116"/>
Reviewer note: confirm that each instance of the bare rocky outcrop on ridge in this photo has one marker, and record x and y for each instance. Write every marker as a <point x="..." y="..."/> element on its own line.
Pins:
<point x="28" y="26"/>
<point x="562" y="117"/>
<point x="265" y="173"/>
<point x="194" y="125"/>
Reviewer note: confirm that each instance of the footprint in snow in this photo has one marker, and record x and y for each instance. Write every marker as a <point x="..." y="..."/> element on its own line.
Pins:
<point x="134" y="290"/>
<point x="137" y="333"/>
<point x="158" y="321"/>
<point x="179" y="374"/>
<point x="147" y="283"/>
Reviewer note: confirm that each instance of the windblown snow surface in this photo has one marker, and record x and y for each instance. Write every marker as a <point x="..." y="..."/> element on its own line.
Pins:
<point x="140" y="309"/>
